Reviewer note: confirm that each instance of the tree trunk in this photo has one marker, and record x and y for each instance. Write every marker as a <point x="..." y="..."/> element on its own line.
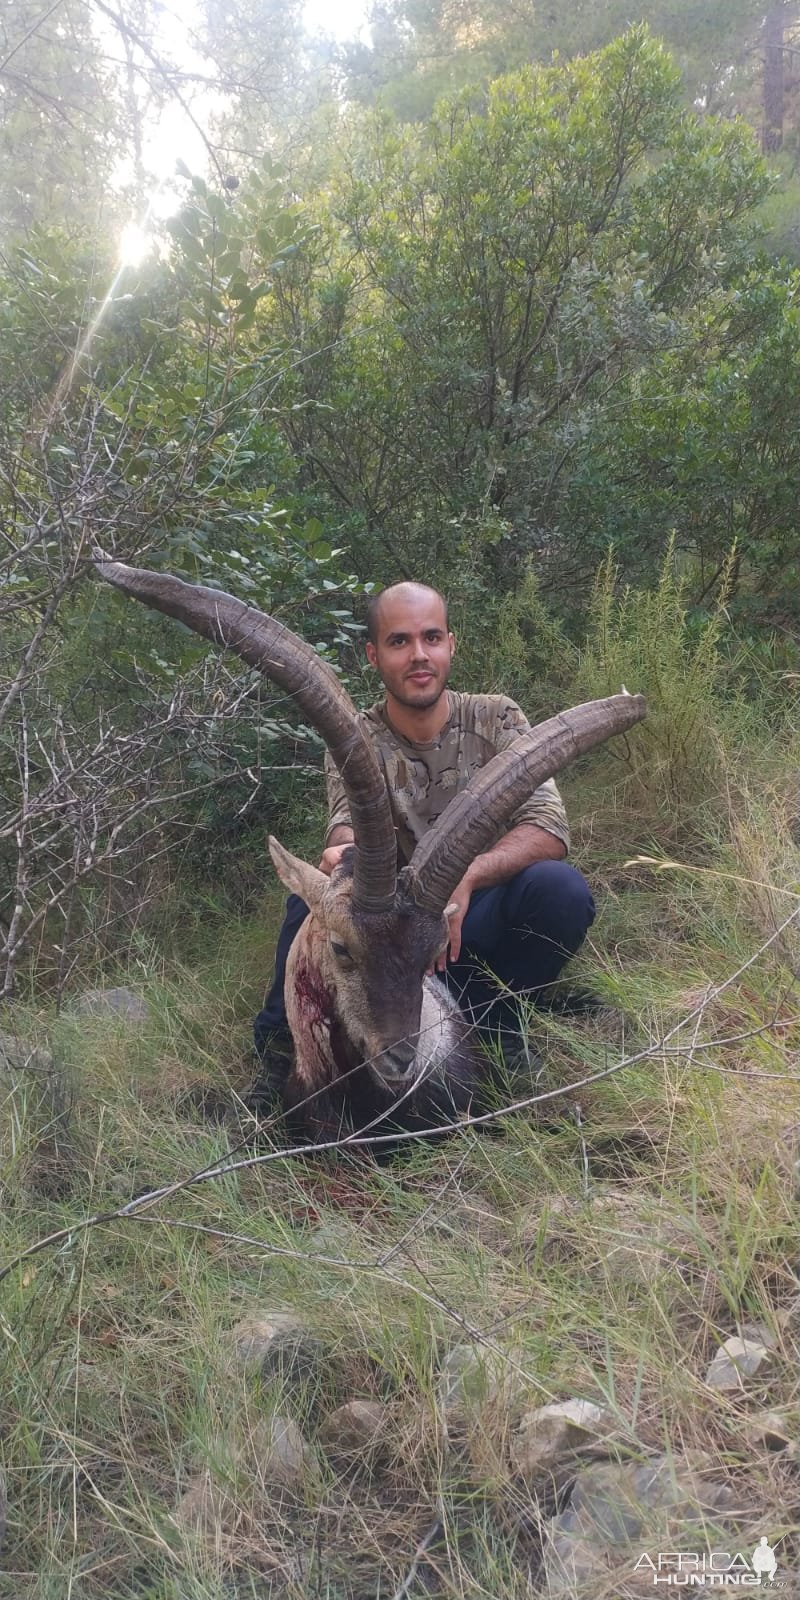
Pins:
<point x="772" y="38"/>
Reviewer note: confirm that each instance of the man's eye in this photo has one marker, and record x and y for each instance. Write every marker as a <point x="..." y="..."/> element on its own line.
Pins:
<point x="341" y="950"/>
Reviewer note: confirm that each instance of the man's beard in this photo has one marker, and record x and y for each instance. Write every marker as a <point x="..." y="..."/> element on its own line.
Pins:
<point x="426" y="698"/>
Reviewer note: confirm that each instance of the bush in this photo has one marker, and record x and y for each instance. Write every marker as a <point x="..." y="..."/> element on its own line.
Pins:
<point x="689" y="667"/>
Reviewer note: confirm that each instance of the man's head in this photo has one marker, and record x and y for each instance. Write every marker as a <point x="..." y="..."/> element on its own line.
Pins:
<point x="409" y="643"/>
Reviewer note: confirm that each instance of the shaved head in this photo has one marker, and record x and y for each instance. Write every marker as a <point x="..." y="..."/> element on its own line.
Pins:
<point x="401" y="592"/>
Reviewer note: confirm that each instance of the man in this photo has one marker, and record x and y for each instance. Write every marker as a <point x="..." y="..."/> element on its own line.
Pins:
<point x="521" y="910"/>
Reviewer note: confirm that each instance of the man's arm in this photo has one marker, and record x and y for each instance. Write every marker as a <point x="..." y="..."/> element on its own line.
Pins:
<point x="519" y="848"/>
<point x="339" y="832"/>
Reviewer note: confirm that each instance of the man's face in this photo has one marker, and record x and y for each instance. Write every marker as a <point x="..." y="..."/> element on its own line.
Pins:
<point x="413" y="650"/>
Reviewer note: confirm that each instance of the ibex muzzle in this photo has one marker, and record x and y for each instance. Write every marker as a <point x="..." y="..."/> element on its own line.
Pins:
<point x="372" y="1034"/>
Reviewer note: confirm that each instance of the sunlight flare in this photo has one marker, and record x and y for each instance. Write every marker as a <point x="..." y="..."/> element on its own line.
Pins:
<point x="135" y="245"/>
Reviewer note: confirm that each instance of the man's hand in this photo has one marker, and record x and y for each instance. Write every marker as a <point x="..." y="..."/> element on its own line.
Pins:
<point x="521" y="847"/>
<point x="339" y="840"/>
<point x="455" y="912"/>
<point x="331" y="857"/>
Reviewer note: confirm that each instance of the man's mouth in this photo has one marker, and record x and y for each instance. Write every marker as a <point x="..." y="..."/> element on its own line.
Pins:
<point x="420" y="677"/>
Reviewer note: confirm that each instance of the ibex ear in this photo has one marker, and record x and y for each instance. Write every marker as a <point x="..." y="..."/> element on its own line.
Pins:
<point x="297" y="875"/>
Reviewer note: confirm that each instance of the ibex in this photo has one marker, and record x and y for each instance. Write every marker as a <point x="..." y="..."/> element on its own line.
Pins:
<point x="373" y="1034"/>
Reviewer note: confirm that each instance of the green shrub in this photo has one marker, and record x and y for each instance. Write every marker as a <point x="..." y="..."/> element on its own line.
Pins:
<point x="689" y="667"/>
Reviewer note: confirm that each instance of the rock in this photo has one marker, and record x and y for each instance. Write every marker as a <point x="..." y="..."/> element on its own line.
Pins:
<point x="788" y="1320"/>
<point x="770" y="1430"/>
<point x="201" y="1508"/>
<point x="611" y="1515"/>
<point x="276" y="1456"/>
<point x="736" y="1359"/>
<point x="283" y="1456"/>
<point x="45" y="1155"/>
<point x="19" y="1055"/>
<point x="758" y="1333"/>
<point x="355" y="1433"/>
<point x="120" y="1002"/>
<point x="278" y="1345"/>
<point x="473" y="1378"/>
<point x="551" y="1435"/>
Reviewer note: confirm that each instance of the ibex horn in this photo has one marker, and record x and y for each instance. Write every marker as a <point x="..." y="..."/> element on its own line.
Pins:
<point x="477" y="816"/>
<point x="278" y="653"/>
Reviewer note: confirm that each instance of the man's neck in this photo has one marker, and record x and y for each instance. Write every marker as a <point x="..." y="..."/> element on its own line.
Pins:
<point x="418" y="724"/>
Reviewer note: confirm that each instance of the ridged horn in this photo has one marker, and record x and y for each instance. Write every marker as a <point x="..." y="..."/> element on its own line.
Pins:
<point x="477" y="816"/>
<point x="277" y="652"/>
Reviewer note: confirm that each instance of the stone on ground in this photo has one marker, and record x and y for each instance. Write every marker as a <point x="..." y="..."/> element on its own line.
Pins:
<point x="550" y="1436"/>
<point x="772" y="1430"/>
<point x="19" y="1055"/>
<point x="610" y="1520"/>
<point x="202" y="1508"/>
<point x="118" y="1002"/>
<point x="474" y="1379"/>
<point x="283" y="1455"/>
<point x="277" y="1344"/>
<point x="355" y="1433"/>
<point x="735" y="1360"/>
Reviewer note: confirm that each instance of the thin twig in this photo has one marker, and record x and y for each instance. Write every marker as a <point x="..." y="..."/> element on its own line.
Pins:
<point x="34" y="28"/>
<point x="434" y="1532"/>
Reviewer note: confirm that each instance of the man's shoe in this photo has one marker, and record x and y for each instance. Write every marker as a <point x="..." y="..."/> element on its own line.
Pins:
<point x="570" y="1000"/>
<point x="517" y="1065"/>
<point x="276" y="1059"/>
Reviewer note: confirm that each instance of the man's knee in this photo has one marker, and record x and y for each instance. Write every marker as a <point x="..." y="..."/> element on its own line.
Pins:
<point x="554" y="899"/>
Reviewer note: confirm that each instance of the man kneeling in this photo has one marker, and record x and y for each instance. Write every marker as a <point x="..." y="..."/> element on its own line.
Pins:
<point x="520" y="909"/>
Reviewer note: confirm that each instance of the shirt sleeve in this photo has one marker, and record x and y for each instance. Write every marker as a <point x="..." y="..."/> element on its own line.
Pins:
<point x="338" y="810"/>
<point x="545" y="807"/>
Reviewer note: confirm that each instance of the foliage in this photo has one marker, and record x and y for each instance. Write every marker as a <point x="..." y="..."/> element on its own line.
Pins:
<point x="59" y="116"/>
<point x="646" y="640"/>
<point x="157" y="448"/>
<point x="420" y="49"/>
<point x="270" y="75"/>
<point x="482" y="289"/>
<point x="482" y="349"/>
<point x="699" y="442"/>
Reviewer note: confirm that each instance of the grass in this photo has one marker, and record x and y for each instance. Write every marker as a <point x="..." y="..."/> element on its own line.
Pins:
<point x="598" y="1245"/>
<point x="603" y="1255"/>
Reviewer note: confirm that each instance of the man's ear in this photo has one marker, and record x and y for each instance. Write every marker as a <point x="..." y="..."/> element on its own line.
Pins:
<point x="372" y="654"/>
<point x="452" y="638"/>
<point x="297" y="875"/>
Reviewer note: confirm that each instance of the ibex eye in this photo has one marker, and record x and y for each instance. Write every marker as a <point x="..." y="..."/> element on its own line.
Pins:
<point x="340" y="950"/>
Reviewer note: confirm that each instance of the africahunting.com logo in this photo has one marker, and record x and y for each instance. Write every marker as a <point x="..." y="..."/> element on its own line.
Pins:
<point x="712" y="1569"/>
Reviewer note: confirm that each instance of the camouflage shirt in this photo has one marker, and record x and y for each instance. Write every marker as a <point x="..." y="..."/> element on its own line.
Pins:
<point x="423" y="778"/>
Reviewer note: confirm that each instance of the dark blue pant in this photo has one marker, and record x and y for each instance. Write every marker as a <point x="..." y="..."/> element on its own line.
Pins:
<point x="523" y="931"/>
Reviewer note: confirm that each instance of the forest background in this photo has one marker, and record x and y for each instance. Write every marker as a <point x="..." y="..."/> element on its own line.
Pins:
<point x="505" y="297"/>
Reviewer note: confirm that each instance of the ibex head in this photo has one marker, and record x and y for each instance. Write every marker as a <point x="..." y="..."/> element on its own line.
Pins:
<point x="355" y="986"/>
<point x="359" y="973"/>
